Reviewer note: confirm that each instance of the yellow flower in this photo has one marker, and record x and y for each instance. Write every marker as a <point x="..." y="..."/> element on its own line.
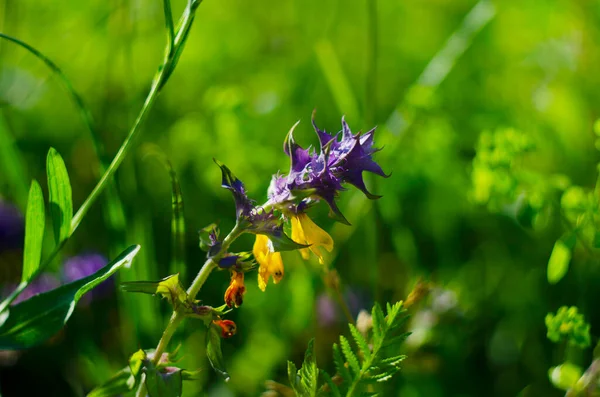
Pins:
<point x="270" y="263"/>
<point x="305" y="231"/>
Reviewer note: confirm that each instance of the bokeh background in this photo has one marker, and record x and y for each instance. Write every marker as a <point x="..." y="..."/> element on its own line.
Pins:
<point x="431" y="74"/>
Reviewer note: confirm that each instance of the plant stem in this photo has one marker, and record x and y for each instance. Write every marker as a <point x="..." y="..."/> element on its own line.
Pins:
<point x="197" y="284"/>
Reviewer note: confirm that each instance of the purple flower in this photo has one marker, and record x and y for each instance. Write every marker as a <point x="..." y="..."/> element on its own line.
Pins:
<point x="44" y="283"/>
<point x="80" y="266"/>
<point x="313" y="176"/>
<point x="12" y="227"/>
<point x="243" y="205"/>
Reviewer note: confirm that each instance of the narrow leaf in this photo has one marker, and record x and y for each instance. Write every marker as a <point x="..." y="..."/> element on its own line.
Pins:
<point x="33" y="321"/>
<point x="61" y="201"/>
<point x="559" y="262"/>
<point x="34" y="231"/>
<point x="214" y="353"/>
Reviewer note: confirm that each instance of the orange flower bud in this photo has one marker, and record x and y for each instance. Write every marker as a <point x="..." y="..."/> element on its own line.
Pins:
<point x="228" y="328"/>
<point x="234" y="296"/>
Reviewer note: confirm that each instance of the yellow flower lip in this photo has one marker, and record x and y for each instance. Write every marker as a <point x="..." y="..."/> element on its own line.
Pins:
<point x="307" y="232"/>
<point x="270" y="262"/>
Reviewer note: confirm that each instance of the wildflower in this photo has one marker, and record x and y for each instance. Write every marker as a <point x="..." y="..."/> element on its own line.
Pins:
<point x="270" y="263"/>
<point x="234" y="296"/>
<point x="313" y="176"/>
<point x="228" y="328"/>
<point x="305" y="231"/>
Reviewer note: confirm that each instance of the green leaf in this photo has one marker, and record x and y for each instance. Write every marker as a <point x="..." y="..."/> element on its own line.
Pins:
<point x="164" y="384"/>
<point x="61" y="201"/>
<point x="121" y="383"/>
<point x="333" y="388"/>
<point x="34" y="232"/>
<point x="213" y="351"/>
<point x="33" y="321"/>
<point x="293" y="376"/>
<point x="361" y="342"/>
<point x="378" y="321"/>
<point x="309" y="373"/>
<point x="350" y="356"/>
<point x="281" y="242"/>
<point x="340" y="364"/>
<point x="169" y="288"/>
<point x="559" y="262"/>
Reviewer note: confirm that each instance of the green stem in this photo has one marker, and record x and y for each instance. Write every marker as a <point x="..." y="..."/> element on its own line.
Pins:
<point x="197" y="284"/>
<point x="161" y="77"/>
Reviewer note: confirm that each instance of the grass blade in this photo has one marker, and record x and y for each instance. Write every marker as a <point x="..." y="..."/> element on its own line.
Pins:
<point x="61" y="200"/>
<point x="34" y="232"/>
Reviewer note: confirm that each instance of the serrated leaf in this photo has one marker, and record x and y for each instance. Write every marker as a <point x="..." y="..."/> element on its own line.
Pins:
<point x="559" y="262"/>
<point x="393" y="361"/>
<point x="119" y="384"/>
<point x="164" y="384"/>
<point x="293" y="376"/>
<point x="35" y="222"/>
<point x="60" y="196"/>
<point x="349" y="354"/>
<point x="378" y="321"/>
<point x="309" y="373"/>
<point x="214" y="353"/>
<point x="360" y="341"/>
<point x="33" y="321"/>
<point x="340" y="364"/>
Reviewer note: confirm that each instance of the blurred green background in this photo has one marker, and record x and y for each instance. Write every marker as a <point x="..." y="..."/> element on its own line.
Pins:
<point x="431" y="74"/>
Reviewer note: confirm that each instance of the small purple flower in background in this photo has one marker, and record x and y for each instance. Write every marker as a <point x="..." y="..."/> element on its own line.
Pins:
<point x="80" y="266"/>
<point x="327" y="310"/>
<point x="12" y="227"/>
<point x="44" y="283"/>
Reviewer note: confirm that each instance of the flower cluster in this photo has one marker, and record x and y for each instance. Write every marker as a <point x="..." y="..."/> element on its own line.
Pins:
<point x="315" y="175"/>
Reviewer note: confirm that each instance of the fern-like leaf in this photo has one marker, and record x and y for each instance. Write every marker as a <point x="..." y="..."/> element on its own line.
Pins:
<point x="350" y="356"/>
<point x="340" y="364"/>
<point x="360" y="370"/>
<point x="360" y="342"/>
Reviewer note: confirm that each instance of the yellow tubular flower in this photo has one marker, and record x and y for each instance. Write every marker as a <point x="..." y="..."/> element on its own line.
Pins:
<point x="270" y="263"/>
<point x="305" y="231"/>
